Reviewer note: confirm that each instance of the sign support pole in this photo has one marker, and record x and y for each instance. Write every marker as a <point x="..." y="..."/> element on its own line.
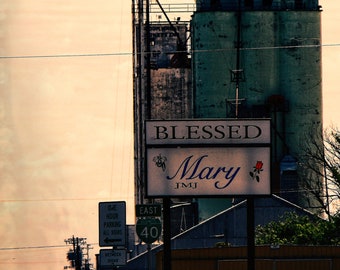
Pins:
<point x="149" y="257"/>
<point x="166" y="234"/>
<point x="251" y="233"/>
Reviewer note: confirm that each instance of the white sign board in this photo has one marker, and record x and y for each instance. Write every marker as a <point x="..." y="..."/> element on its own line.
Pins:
<point x="112" y="257"/>
<point x="112" y="224"/>
<point x="232" y="159"/>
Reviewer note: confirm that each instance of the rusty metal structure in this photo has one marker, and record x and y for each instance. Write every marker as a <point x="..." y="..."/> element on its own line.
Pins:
<point x="162" y="71"/>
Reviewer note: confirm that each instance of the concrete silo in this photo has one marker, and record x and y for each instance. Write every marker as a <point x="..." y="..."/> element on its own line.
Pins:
<point x="262" y="58"/>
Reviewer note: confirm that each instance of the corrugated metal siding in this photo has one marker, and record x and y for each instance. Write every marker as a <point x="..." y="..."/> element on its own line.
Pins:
<point x="322" y="264"/>
<point x="194" y="264"/>
<point x="267" y="258"/>
<point x="233" y="265"/>
<point x="304" y="264"/>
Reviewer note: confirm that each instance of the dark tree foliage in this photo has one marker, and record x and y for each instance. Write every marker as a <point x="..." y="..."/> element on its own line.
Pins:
<point x="293" y="229"/>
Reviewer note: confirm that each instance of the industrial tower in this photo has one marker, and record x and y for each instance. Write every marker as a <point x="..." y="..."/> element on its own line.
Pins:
<point x="262" y="58"/>
<point x="234" y="59"/>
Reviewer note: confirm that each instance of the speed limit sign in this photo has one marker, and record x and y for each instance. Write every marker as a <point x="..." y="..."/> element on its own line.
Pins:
<point x="149" y="229"/>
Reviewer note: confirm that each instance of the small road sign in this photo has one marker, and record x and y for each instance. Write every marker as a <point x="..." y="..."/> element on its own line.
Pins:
<point x="112" y="224"/>
<point x="149" y="229"/>
<point x="148" y="210"/>
<point x="112" y="257"/>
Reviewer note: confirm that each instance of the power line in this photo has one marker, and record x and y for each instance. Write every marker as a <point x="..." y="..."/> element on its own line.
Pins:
<point x="38" y="247"/>
<point x="32" y="247"/>
<point x="51" y="200"/>
<point x="195" y="51"/>
<point x="66" y="55"/>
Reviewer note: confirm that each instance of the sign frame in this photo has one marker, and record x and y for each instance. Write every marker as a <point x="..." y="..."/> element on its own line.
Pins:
<point x="112" y="224"/>
<point x="247" y="141"/>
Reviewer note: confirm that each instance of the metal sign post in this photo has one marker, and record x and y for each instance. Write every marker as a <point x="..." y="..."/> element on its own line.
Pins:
<point x="167" y="234"/>
<point x="251" y="233"/>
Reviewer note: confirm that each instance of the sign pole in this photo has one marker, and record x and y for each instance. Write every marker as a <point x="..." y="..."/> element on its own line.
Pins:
<point x="166" y="234"/>
<point x="149" y="257"/>
<point x="251" y="233"/>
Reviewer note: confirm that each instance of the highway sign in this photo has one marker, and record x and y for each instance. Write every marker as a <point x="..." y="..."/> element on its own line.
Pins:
<point x="112" y="257"/>
<point x="112" y="224"/>
<point x="148" y="210"/>
<point x="149" y="229"/>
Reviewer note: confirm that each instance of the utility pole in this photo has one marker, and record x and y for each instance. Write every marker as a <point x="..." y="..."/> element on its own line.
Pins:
<point x="87" y="260"/>
<point x="75" y="255"/>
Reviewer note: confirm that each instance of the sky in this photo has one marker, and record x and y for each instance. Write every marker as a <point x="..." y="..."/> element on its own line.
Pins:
<point x="66" y="128"/>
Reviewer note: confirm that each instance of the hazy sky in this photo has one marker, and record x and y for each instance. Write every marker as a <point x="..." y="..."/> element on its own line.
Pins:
<point x="66" y="131"/>
<point x="66" y="134"/>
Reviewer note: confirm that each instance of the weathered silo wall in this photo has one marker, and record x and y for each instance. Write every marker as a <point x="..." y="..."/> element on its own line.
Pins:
<point x="214" y="55"/>
<point x="280" y="63"/>
<point x="300" y="74"/>
<point x="228" y="5"/>
<point x="214" y="43"/>
<point x="259" y="58"/>
<point x="279" y="55"/>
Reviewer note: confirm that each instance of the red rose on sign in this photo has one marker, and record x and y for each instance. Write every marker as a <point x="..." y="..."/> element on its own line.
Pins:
<point x="257" y="169"/>
<point x="258" y="166"/>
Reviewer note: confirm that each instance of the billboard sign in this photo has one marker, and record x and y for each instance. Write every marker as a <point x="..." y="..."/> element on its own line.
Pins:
<point x="233" y="158"/>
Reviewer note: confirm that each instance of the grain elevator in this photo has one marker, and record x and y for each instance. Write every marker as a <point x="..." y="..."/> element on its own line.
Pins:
<point x="232" y="59"/>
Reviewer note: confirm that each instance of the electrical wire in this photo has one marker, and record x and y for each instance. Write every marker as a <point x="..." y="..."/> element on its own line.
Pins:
<point x="51" y="200"/>
<point x="39" y="247"/>
<point x="169" y="52"/>
<point x="65" y="55"/>
<point x="32" y="247"/>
